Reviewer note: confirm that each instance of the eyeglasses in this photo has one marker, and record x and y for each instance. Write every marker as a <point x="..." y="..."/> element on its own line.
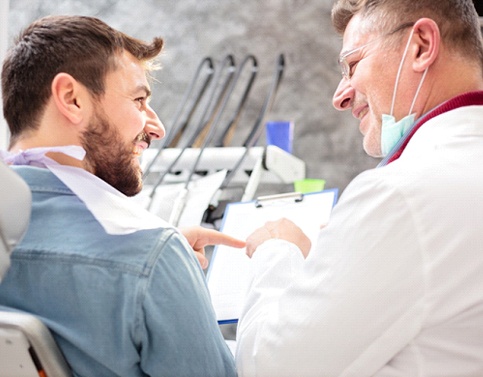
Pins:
<point x="347" y="68"/>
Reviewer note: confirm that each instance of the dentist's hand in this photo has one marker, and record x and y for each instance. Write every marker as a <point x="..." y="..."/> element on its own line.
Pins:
<point x="281" y="229"/>
<point x="199" y="237"/>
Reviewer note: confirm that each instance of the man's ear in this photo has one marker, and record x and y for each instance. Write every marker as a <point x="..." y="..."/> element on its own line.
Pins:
<point x="70" y="97"/>
<point x="428" y="38"/>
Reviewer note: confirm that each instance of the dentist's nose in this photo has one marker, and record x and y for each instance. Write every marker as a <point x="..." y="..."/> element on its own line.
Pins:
<point x="343" y="95"/>
<point x="153" y="127"/>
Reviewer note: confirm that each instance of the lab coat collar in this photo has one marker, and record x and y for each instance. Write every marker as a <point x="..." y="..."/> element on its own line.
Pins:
<point x="466" y="99"/>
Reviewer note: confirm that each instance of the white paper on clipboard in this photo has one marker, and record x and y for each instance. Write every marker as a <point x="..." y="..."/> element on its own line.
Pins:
<point x="228" y="272"/>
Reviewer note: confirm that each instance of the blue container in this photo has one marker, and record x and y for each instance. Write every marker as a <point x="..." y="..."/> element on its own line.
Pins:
<point x="280" y="133"/>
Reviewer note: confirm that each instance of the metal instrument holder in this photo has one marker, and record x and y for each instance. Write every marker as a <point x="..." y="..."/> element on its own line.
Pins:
<point x="268" y="164"/>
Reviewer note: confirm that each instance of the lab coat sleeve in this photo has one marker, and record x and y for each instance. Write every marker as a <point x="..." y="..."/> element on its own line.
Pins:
<point x="285" y="260"/>
<point x="354" y="303"/>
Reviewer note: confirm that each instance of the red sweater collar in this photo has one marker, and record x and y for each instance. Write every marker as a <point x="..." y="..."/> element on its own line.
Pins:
<point x="466" y="99"/>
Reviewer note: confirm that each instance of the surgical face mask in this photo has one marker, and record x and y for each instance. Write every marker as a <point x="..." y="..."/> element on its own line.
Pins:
<point x="392" y="131"/>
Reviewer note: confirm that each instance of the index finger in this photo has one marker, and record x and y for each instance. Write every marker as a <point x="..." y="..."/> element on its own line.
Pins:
<point x="199" y="237"/>
<point x="214" y="237"/>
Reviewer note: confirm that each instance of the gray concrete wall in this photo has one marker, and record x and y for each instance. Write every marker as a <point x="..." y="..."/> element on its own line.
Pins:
<point x="329" y="141"/>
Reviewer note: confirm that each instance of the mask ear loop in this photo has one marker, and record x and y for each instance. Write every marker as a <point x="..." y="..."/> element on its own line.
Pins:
<point x="418" y="89"/>
<point x="399" y="74"/>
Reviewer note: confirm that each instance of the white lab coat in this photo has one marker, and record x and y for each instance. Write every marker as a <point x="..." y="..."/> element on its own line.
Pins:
<point x="394" y="286"/>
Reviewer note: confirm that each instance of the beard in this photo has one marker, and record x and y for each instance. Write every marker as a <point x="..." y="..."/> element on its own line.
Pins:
<point x="110" y="158"/>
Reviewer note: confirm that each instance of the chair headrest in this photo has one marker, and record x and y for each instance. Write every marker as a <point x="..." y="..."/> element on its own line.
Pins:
<point x="15" y="205"/>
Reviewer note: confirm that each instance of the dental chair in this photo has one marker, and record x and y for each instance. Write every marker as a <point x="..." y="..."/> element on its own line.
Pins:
<point x="15" y="202"/>
<point x="27" y="348"/>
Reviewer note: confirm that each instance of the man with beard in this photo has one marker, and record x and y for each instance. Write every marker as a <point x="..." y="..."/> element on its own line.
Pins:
<point x="122" y="292"/>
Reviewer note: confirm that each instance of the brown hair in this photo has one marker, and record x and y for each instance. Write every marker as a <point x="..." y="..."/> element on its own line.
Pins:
<point x="84" y="47"/>
<point x="457" y="20"/>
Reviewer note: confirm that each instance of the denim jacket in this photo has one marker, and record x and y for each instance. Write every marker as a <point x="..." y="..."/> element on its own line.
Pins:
<point x="117" y="305"/>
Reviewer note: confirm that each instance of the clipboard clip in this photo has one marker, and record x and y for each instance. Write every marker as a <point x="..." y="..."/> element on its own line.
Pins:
<point x="270" y="199"/>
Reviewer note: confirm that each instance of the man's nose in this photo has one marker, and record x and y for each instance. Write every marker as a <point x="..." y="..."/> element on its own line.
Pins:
<point x="343" y="96"/>
<point x="154" y="127"/>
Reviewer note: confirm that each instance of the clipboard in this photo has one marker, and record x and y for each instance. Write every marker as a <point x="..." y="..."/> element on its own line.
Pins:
<point x="228" y="273"/>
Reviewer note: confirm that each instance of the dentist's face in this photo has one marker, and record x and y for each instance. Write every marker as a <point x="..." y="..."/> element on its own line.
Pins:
<point x="369" y="90"/>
